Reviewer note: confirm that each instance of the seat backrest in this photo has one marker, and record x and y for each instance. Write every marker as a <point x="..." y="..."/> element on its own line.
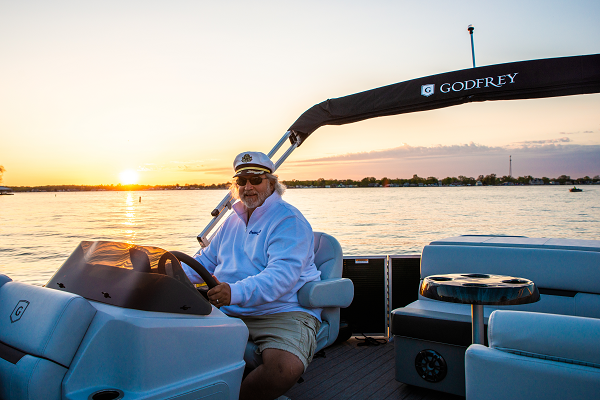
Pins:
<point x="328" y="256"/>
<point x="564" y="270"/>
<point x="40" y="332"/>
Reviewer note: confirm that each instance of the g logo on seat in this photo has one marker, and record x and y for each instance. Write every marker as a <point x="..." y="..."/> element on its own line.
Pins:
<point x="19" y="310"/>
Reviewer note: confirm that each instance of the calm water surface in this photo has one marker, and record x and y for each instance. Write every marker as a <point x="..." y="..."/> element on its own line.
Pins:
<point x="38" y="231"/>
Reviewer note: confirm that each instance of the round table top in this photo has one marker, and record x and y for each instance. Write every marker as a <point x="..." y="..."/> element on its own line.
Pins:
<point x="482" y="289"/>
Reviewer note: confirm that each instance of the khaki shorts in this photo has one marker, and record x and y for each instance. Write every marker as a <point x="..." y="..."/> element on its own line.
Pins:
<point x="294" y="332"/>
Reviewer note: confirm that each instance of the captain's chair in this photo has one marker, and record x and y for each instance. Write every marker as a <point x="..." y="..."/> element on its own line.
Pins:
<point x="331" y="293"/>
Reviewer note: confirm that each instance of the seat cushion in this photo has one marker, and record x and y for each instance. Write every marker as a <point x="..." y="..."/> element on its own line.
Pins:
<point x="551" y="336"/>
<point x="435" y="321"/>
<point x="43" y="322"/>
<point x="450" y="323"/>
<point x="31" y="378"/>
<point x="492" y="374"/>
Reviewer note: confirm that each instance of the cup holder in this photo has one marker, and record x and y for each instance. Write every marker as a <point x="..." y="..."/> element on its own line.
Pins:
<point x="440" y="278"/>
<point x="476" y="276"/>
<point x="515" y="281"/>
<point x="107" y="394"/>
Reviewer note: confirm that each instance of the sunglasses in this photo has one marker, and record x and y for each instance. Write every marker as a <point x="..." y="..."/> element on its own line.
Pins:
<point x="255" y="180"/>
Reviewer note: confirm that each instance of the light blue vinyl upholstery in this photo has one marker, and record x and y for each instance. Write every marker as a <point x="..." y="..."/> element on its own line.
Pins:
<point x="535" y="356"/>
<point x="331" y="293"/>
<point x="40" y="332"/>
<point x="4" y="279"/>
<point x="564" y="270"/>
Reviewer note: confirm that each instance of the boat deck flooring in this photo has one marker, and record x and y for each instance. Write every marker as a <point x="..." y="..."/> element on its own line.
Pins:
<point x="350" y="371"/>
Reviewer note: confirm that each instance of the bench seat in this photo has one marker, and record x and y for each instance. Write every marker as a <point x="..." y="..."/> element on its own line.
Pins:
<point x="565" y="271"/>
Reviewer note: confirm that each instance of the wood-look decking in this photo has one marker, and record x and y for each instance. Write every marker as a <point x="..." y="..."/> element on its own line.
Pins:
<point x="349" y="371"/>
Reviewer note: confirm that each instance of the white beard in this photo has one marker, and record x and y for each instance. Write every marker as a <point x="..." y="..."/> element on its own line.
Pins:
<point x="255" y="201"/>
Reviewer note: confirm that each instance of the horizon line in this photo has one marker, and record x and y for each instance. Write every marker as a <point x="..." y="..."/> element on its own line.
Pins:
<point x="291" y="180"/>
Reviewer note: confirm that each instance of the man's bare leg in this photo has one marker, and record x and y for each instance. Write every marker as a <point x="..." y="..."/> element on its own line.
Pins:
<point x="277" y="374"/>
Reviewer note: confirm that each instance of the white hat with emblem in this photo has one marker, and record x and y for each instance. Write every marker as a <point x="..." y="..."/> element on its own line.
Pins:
<point x="252" y="162"/>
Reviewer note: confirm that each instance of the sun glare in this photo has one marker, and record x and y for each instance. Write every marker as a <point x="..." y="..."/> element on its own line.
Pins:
<point x="128" y="177"/>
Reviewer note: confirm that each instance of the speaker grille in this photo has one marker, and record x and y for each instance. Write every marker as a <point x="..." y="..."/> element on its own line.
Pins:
<point x="367" y="313"/>
<point x="406" y="272"/>
<point x="431" y="366"/>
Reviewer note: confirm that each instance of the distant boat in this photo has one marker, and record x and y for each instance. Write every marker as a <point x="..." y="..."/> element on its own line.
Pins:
<point x="5" y="191"/>
<point x="574" y="189"/>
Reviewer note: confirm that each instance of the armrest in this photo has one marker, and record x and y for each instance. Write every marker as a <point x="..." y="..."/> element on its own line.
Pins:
<point x="561" y="337"/>
<point x="4" y="279"/>
<point x="337" y="292"/>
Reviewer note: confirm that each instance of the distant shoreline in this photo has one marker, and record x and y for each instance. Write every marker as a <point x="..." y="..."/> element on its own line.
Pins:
<point x="415" y="181"/>
<point x="350" y="186"/>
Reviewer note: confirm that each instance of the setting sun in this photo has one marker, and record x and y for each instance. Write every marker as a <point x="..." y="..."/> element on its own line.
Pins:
<point x="128" y="177"/>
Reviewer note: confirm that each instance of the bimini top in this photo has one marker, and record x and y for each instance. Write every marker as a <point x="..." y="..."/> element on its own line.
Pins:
<point x="129" y="276"/>
<point x="551" y="77"/>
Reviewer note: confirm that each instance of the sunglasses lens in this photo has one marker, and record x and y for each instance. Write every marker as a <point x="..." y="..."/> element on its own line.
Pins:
<point x="255" y="180"/>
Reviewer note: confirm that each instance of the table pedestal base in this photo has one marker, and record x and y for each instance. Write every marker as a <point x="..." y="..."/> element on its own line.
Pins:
<point x="477" y="325"/>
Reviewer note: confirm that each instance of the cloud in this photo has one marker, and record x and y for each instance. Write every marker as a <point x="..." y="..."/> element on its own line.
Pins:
<point x="407" y="151"/>
<point x="549" y="157"/>
<point x="574" y="133"/>
<point x="183" y="166"/>
<point x="552" y="157"/>
<point x="547" y="141"/>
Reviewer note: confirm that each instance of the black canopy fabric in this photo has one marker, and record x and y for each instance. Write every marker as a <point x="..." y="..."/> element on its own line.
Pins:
<point x="551" y="77"/>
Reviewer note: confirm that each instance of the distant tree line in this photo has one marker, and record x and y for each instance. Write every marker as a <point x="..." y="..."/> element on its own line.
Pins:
<point x="486" y="180"/>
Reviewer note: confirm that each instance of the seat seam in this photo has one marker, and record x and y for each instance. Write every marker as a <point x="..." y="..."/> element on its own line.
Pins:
<point x="56" y="325"/>
<point x="29" y="379"/>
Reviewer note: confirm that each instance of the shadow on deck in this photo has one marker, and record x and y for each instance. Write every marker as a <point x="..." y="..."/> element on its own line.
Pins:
<point x="350" y="371"/>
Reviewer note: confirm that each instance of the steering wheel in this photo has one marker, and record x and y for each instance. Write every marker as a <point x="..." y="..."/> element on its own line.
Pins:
<point x="196" y="266"/>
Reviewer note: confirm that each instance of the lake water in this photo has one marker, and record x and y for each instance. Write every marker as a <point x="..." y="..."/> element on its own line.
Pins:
<point x="38" y="231"/>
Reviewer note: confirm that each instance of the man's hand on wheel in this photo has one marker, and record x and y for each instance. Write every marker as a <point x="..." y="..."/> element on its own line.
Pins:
<point x="220" y="295"/>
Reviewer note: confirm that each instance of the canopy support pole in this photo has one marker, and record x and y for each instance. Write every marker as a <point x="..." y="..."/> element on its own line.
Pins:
<point x="227" y="203"/>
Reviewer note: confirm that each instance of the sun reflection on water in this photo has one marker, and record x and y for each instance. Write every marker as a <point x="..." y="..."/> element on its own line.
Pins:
<point x="130" y="219"/>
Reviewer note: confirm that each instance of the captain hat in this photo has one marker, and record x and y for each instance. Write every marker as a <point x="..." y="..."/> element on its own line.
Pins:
<point x="252" y="162"/>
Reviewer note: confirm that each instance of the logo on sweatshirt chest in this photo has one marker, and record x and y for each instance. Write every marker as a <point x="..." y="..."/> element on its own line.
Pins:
<point x="254" y="232"/>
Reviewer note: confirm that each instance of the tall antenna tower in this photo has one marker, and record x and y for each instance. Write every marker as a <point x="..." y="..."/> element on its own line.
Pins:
<point x="510" y="166"/>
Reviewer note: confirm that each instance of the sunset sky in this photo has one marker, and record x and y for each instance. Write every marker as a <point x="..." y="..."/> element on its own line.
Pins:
<point x="173" y="90"/>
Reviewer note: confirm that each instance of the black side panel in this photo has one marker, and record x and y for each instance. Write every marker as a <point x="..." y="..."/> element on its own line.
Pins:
<point x="406" y="273"/>
<point x="558" y="292"/>
<point x="432" y="326"/>
<point x="367" y="313"/>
